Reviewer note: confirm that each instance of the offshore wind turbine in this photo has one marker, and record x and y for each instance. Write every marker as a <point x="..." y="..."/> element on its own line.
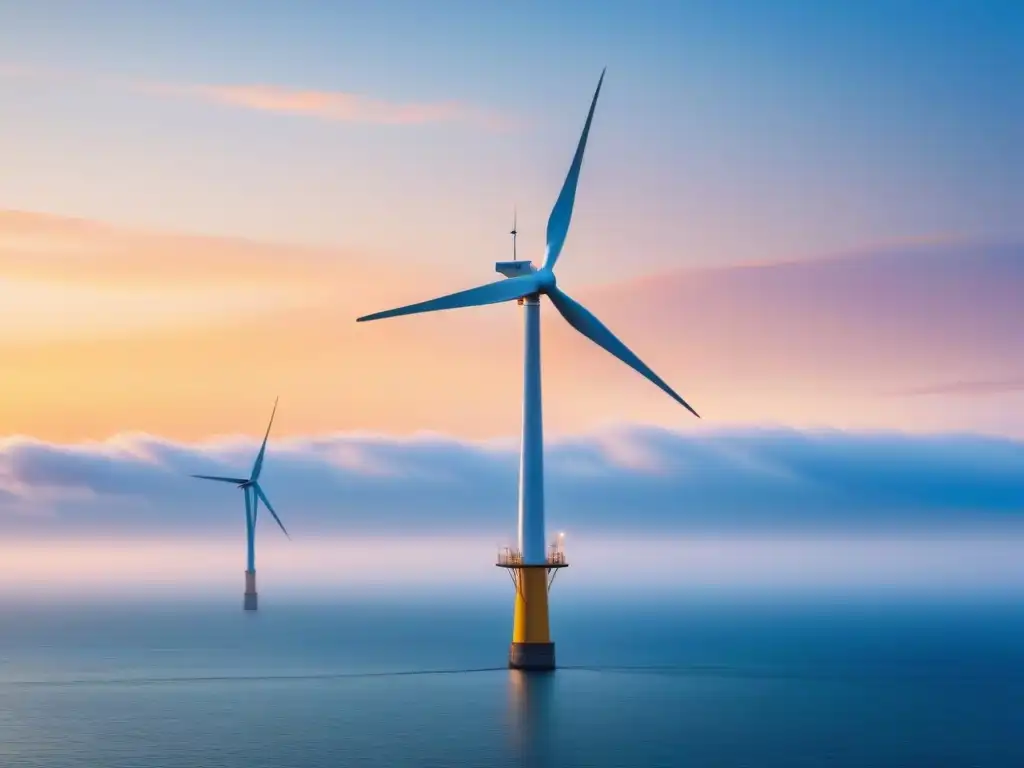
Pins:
<point x="254" y="494"/>
<point x="531" y="565"/>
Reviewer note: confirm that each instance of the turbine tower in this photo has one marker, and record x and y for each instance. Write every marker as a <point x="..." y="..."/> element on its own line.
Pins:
<point x="530" y="565"/>
<point x="253" y="496"/>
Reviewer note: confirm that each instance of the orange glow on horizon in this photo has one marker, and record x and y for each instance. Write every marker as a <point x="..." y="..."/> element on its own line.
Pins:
<point x="188" y="337"/>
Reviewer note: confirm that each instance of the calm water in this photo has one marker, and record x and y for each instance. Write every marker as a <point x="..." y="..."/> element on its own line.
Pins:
<point x="674" y="683"/>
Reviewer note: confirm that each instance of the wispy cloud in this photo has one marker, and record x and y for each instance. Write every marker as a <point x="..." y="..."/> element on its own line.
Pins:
<point x="330" y="105"/>
<point x="975" y="387"/>
<point x="895" y="320"/>
<point x="334" y="106"/>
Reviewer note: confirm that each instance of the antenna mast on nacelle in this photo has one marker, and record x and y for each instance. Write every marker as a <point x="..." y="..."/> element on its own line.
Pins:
<point x="514" y="232"/>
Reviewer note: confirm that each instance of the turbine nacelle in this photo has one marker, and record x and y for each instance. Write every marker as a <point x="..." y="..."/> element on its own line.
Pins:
<point x="514" y="268"/>
<point x="543" y="277"/>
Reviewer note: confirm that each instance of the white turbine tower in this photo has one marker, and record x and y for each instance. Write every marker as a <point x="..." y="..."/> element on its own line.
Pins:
<point x="531" y="644"/>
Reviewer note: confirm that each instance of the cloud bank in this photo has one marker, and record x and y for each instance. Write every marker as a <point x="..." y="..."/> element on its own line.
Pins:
<point x="627" y="481"/>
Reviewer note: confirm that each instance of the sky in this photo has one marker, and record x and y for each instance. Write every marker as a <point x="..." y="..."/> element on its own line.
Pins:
<point x="806" y="217"/>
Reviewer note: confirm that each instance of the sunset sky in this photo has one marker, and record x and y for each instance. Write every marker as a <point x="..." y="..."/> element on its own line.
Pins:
<point x="808" y="218"/>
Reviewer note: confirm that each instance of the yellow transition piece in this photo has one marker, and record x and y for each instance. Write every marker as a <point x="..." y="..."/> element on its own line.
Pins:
<point x="531" y="615"/>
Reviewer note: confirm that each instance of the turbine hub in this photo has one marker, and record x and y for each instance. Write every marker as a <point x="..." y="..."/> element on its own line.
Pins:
<point x="545" y="279"/>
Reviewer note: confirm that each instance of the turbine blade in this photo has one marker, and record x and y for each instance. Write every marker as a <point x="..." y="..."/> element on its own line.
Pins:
<point x="255" y="508"/>
<point x="266" y="502"/>
<point x="583" y="320"/>
<point x="492" y="293"/>
<point x="561" y="214"/>
<point x="235" y="480"/>
<point x="258" y="466"/>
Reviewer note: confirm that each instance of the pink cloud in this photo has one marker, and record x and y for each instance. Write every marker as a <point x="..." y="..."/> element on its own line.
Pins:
<point x="335" y="106"/>
<point x="895" y="319"/>
<point x="330" y="105"/>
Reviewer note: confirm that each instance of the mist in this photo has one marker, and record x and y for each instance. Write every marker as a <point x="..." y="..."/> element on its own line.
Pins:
<point x="447" y="568"/>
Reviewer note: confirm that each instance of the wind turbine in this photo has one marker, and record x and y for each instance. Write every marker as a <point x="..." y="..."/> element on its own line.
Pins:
<point x="253" y="496"/>
<point x="529" y="566"/>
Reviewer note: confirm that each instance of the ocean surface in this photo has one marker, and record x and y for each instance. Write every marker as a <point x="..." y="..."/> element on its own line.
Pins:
<point x="401" y="682"/>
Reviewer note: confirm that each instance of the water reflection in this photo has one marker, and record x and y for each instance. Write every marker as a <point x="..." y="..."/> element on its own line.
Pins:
<point x="530" y="696"/>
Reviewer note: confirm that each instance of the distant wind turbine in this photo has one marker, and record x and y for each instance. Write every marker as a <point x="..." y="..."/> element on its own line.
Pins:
<point x="253" y="496"/>
<point x="531" y="644"/>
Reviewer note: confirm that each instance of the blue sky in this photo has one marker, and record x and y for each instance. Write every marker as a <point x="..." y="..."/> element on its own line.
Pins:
<point x="728" y="132"/>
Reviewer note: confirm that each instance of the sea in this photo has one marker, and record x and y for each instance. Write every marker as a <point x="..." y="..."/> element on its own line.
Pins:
<point x="706" y="680"/>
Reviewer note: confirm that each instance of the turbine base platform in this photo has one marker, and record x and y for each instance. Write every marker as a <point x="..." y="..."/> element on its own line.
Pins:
<point x="251" y="600"/>
<point x="531" y="649"/>
<point x="532" y="657"/>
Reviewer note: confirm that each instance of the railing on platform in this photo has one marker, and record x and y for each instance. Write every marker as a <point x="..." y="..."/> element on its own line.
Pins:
<point x="511" y="558"/>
